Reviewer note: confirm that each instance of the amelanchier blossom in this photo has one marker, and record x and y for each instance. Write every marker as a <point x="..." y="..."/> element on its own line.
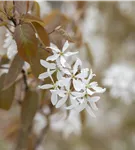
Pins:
<point x="120" y="78"/>
<point x="73" y="88"/>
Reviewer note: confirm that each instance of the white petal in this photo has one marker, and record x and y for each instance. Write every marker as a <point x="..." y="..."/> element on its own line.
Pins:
<point x="94" y="106"/>
<point x="61" y="101"/>
<point x="64" y="81"/>
<point x="54" y="47"/>
<point x="77" y="94"/>
<point x="90" y="92"/>
<point x="65" y="46"/>
<point x="99" y="89"/>
<point x="62" y="61"/>
<point x="76" y="66"/>
<point x="65" y="71"/>
<point x="46" y="74"/>
<point x="70" y="107"/>
<point x="46" y="86"/>
<point x="78" y="85"/>
<point x="83" y="74"/>
<point x="47" y="65"/>
<point x="94" y="99"/>
<point x="61" y="93"/>
<point x="90" y="76"/>
<point x="89" y="110"/>
<point x="59" y="75"/>
<point x="70" y="54"/>
<point x="81" y="106"/>
<point x="54" y="98"/>
<point x="93" y="84"/>
<point x="53" y="57"/>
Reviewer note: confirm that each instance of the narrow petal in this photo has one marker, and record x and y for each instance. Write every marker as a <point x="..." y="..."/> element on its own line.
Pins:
<point x="65" y="46"/>
<point x="93" y="84"/>
<point x="90" y="92"/>
<point x="76" y="66"/>
<point x="61" y="93"/>
<point x="70" y="107"/>
<point x="81" y="107"/>
<point x="59" y="75"/>
<point x="78" y="85"/>
<point x="46" y="86"/>
<point x="53" y="57"/>
<point x="46" y="74"/>
<point x="54" y="47"/>
<point x="77" y="94"/>
<point x="54" y="98"/>
<point x="94" y="99"/>
<point x="90" y="76"/>
<point x="94" y="106"/>
<point x="89" y="110"/>
<point x="61" y="101"/>
<point x="47" y="65"/>
<point x="62" y="61"/>
<point x="70" y="54"/>
<point x="99" y="89"/>
<point x="83" y="74"/>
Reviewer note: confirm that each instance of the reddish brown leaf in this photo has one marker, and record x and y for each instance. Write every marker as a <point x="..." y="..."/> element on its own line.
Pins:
<point x="6" y="96"/>
<point x="42" y="34"/>
<point x="14" y="70"/>
<point x="29" y="108"/>
<point x="29" y="18"/>
<point x="23" y="6"/>
<point x="26" y="40"/>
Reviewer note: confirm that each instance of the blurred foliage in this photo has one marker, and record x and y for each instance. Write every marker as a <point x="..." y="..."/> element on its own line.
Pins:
<point x="104" y="34"/>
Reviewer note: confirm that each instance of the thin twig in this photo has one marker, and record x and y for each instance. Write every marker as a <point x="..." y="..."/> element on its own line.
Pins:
<point x="25" y="79"/>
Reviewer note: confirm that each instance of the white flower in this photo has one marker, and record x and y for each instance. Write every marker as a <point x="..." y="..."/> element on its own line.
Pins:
<point x="120" y="78"/>
<point x="10" y="44"/>
<point x="61" y="55"/>
<point x="51" y="68"/>
<point x="85" y="102"/>
<point x="73" y="87"/>
<point x="72" y="75"/>
<point x="64" y="93"/>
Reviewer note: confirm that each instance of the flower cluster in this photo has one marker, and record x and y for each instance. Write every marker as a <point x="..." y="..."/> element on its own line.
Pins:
<point x="73" y="87"/>
<point x="120" y="78"/>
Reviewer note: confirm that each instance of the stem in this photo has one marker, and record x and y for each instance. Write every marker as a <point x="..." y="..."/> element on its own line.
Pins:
<point x="9" y="29"/>
<point x="25" y="80"/>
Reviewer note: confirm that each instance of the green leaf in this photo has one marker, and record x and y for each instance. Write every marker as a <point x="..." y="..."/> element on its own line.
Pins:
<point x="6" y="96"/>
<point x="14" y="70"/>
<point x="42" y="34"/>
<point x="26" y="40"/>
<point x="29" y="19"/>
<point x="29" y="108"/>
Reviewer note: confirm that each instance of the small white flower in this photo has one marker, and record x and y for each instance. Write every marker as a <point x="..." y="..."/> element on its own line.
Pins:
<point x="73" y="87"/>
<point x="61" y="55"/>
<point x="120" y="78"/>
